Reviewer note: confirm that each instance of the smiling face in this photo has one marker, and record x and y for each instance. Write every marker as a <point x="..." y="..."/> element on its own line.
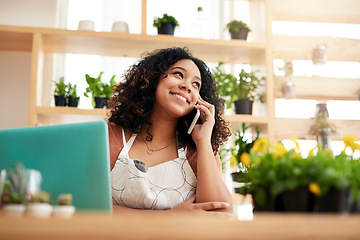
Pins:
<point x="178" y="90"/>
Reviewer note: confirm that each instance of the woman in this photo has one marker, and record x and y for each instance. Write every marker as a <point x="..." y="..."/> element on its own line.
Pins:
<point x="155" y="163"/>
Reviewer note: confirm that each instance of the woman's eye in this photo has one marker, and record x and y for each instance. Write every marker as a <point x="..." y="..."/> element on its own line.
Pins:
<point x="179" y="74"/>
<point x="197" y="85"/>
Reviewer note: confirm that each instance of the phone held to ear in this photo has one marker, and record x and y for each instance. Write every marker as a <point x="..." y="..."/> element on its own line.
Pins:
<point x="195" y="119"/>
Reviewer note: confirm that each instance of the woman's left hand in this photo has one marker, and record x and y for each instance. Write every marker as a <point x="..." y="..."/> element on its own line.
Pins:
<point x="203" y="131"/>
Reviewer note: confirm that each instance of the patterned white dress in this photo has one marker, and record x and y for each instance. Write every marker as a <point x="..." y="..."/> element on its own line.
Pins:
<point x="160" y="187"/>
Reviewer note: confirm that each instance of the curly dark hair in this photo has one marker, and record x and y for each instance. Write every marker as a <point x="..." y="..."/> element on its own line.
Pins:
<point x="133" y="100"/>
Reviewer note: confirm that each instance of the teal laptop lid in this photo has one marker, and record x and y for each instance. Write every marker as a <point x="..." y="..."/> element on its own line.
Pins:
<point x="72" y="158"/>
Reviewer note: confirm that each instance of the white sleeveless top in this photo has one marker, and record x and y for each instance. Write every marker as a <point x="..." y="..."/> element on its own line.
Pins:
<point x="160" y="187"/>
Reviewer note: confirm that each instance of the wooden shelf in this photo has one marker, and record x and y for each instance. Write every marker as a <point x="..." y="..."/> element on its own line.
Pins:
<point x="70" y="110"/>
<point x="346" y="11"/>
<point x="322" y="88"/>
<point x="128" y="45"/>
<point x="59" y="115"/>
<point x="285" y="128"/>
<point x="301" y="48"/>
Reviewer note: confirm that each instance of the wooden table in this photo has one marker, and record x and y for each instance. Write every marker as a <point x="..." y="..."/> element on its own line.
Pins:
<point x="263" y="226"/>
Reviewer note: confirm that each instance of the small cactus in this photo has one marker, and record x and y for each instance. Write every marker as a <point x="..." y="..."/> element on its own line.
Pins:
<point x="65" y="199"/>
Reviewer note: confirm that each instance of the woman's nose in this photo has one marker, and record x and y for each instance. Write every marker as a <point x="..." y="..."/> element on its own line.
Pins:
<point x="185" y="87"/>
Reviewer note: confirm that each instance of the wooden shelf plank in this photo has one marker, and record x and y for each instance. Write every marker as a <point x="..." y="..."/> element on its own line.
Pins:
<point x="130" y="45"/>
<point x="15" y="41"/>
<point x="322" y="88"/>
<point x="301" y="48"/>
<point x="346" y="11"/>
<point x="70" y="110"/>
<point x="285" y="128"/>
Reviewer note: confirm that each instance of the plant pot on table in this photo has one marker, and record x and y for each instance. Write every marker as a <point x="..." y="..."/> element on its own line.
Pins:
<point x="298" y="200"/>
<point x="336" y="200"/>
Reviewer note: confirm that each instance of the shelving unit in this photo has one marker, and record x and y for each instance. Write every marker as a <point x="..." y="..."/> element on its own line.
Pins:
<point x="291" y="48"/>
<point x="42" y="41"/>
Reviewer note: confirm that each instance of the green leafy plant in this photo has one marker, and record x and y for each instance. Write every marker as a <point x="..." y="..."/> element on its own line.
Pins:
<point x="235" y="26"/>
<point x="15" y="185"/>
<point x="159" y="21"/>
<point x="274" y="170"/>
<point x="242" y="145"/>
<point x="60" y="87"/>
<point x="72" y="91"/>
<point x="97" y="88"/>
<point x="243" y="87"/>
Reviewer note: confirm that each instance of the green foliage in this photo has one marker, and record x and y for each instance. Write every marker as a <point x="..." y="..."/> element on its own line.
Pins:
<point x="235" y="26"/>
<point x="272" y="173"/>
<point x="242" y="144"/>
<point x="165" y="19"/>
<point x="97" y="88"/>
<point x="15" y="185"/>
<point x="72" y="91"/>
<point x="60" y="87"/>
<point x="243" y="87"/>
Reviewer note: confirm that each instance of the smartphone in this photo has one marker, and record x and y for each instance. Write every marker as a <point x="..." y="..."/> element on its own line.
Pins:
<point x="194" y="121"/>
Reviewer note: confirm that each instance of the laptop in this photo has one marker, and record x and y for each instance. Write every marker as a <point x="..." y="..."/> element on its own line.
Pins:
<point x="72" y="158"/>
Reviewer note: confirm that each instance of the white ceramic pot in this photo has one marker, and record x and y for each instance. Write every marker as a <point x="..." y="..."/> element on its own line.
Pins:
<point x="39" y="210"/>
<point x="14" y="210"/>
<point x="64" y="211"/>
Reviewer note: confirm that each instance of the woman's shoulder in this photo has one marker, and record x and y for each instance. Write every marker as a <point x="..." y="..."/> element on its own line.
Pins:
<point x="115" y="141"/>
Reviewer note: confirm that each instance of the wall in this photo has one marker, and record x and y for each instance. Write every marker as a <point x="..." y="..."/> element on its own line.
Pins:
<point x="15" y="66"/>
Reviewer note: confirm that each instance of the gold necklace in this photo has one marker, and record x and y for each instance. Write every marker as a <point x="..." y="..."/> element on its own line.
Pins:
<point x="149" y="150"/>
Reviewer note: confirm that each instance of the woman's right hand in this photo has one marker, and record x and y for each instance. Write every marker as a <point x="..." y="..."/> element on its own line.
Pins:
<point x="190" y="206"/>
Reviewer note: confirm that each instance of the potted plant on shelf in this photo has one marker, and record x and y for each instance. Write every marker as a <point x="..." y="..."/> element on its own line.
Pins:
<point x="64" y="209"/>
<point x="238" y="29"/>
<point x="40" y="205"/>
<point x="73" y="98"/>
<point x="100" y="91"/>
<point x="13" y="196"/>
<point x="60" y="92"/>
<point x="166" y="24"/>
<point x="241" y="91"/>
<point x="323" y="129"/>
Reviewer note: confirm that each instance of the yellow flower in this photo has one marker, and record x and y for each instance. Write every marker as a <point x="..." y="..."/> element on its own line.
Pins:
<point x="260" y="145"/>
<point x="279" y="150"/>
<point x="297" y="146"/>
<point x="245" y="159"/>
<point x="233" y="161"/>
<point x="349" y="141"/>
<point x="311" y="152"/>
<point x="314" y="188"/>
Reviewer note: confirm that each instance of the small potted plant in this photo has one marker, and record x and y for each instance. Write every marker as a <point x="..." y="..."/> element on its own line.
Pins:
<point x="40" y="205"/>
<point x="64" y="209"/>
<point x="13" y="196"/>
<point x="100" y="91"/>
<point x="73" y="98"/>
<point x="166" y="24"/>
<point x="323" y="129"/>
<point x="241" y="91"/>
<point x="60" y="92"/>
<point x="238" y="29"/>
